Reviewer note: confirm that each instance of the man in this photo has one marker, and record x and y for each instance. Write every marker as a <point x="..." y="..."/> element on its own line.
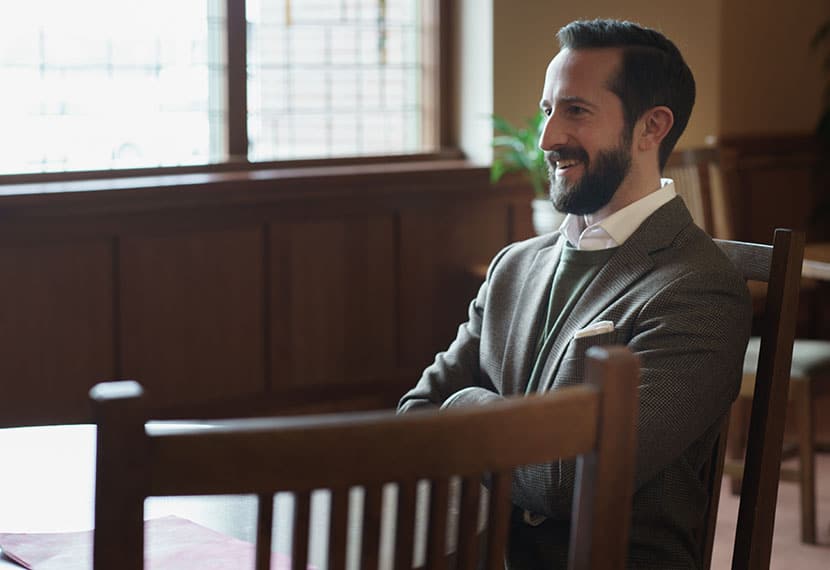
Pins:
<point x="628" y="266"/>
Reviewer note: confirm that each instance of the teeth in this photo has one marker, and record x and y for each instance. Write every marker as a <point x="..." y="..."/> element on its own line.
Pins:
<point x="565" y="163"/>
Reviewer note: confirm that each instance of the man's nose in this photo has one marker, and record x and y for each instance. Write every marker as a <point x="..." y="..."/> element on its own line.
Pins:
<point x="553" y="135"/>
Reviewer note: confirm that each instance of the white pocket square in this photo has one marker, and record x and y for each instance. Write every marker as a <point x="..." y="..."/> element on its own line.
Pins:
<point x="599" y="327"/>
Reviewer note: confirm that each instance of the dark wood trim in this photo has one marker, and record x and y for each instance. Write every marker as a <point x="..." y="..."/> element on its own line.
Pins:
<point x="771" y="143"/>
<point x="446" y="74"/>
<point x="399" y="277"/>
<point x="117" y="342"/>
<point x="237" y="81"/>
<point x="9" y="180"/>
<point x="373" y="394"/>
<point x="267" y="278"/>
<point x="97" y="197"/>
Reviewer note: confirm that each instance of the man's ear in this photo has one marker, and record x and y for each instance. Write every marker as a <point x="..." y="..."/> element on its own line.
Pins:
<point x="653" y="127"/>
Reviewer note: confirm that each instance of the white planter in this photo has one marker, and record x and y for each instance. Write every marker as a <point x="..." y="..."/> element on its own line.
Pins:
<point x="546" y="218"/>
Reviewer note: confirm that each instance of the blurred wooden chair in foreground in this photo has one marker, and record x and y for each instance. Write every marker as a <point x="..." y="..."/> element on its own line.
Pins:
<point x="780" y="266"/>
<point x="263" y="456"/>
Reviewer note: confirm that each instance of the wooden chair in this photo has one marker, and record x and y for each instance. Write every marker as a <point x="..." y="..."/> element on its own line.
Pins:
<point x="780" y="266"/>
<point x="697" y="179"/>
<point x="809" y="381"/>
<point x="262" y="456"/>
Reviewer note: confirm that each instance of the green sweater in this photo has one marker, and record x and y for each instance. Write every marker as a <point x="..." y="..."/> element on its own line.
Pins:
<point x="575" y="270"/>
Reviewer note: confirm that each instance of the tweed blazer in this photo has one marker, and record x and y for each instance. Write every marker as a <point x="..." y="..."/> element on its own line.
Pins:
<point x="679" y="304"/>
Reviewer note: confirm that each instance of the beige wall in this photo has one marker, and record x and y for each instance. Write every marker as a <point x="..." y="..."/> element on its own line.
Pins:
<point x="474" y="62"/>
<point x="748" y="81"/>
<point x="771" y="83"/>
<point x="524" y="41"/>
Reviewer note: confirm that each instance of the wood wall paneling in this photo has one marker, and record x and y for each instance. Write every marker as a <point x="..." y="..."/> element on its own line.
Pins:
<point x="438" y="247"/>
<point x="777" y="198"/>
<point x="332" y="300"/>
<point x="56" y="329"/>
<point x="297" y="290"/>
<point x="770" y="183"/>
<point x="192" y="324"/>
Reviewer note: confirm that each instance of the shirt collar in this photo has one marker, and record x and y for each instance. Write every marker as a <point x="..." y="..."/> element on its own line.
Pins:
<point x="613" y="230"/>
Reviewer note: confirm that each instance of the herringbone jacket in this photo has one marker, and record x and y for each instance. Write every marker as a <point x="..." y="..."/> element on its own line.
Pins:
<point x="679" y="304"/>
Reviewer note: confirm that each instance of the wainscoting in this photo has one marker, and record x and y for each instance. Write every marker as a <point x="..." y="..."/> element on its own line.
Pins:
<point x="775" y="181"/>
<point x="285" y="287"/>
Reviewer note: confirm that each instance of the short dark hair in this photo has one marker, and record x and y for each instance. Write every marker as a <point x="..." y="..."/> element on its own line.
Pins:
<point x="652" y="72"/>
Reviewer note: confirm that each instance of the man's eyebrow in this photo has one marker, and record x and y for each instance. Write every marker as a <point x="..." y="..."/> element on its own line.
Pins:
<point x="574" y="99"/>
<point x="545" y="103"/>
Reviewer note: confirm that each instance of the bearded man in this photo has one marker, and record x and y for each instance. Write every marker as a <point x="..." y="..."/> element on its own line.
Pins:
<point x="628" y="266"/>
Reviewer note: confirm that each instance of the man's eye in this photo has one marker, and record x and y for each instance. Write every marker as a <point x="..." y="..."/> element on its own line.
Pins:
<point x="547" y="111"/>
<point x="576" y="110"/>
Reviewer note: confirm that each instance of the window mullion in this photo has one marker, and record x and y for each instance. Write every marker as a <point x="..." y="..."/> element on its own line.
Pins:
<point x="237" y="81"/>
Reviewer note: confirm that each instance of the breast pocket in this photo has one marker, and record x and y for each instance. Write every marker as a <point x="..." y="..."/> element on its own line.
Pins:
<point x="572" y="367"/>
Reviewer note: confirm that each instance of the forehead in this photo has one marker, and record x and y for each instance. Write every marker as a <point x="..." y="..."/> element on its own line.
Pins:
<point x="583" y="73"/>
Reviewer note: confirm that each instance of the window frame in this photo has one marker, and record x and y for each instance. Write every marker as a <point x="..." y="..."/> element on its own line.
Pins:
<point x="438" y="123"/>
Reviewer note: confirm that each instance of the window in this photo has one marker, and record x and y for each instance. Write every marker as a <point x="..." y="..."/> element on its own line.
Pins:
<point x="108" y="84"/>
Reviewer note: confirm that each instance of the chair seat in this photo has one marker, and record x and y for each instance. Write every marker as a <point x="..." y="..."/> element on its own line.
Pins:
<point x="810" y="358"/>
<point x="809" y="379"/>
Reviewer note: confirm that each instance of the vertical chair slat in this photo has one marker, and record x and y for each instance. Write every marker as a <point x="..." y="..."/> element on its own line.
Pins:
<point x="370" y="541"/>
<point x="264" y="528"/>
<point x="437" y="524"/>
<point x="405" y="524"/>
<point x="498" y="519"/>
<point x="299" y="531"/>
<point x="121" y="463"/>
<point x="338" y="528"/>
<point x="468" y="523"/>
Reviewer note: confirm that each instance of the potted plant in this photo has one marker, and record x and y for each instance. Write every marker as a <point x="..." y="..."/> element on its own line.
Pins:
<point x="516" y="149"/>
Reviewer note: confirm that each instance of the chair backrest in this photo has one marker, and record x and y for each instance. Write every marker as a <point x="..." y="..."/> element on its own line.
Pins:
<point x="697" y="179"/>
<point x="780" y="266"/>
<point x="594" y="422"/>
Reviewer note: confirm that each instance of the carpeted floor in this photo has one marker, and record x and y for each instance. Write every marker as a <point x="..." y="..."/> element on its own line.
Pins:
<point x="788" y="552"/>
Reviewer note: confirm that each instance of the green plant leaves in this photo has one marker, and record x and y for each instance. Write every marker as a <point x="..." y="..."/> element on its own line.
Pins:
<point x="516" y="149"/>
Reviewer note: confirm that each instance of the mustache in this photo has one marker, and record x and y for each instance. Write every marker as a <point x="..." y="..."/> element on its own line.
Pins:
<point x="566" y="153"/>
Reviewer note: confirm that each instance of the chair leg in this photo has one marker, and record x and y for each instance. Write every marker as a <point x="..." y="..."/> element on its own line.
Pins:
<point x="806" y="458"/>
<point x="736" y="438"/>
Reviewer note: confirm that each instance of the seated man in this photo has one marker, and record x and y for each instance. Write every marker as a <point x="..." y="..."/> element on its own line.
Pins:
<point x="628" y="266"/>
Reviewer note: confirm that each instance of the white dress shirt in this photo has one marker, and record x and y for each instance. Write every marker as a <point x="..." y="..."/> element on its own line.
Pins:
<point x="616" y="228"/>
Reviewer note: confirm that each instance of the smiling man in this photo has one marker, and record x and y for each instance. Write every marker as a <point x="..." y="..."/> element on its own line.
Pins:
<point x="628" y="266"/>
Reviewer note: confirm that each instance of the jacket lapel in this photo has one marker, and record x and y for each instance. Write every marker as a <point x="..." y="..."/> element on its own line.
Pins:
<point x="629" y="263"/>
<point x="528" y="318"/>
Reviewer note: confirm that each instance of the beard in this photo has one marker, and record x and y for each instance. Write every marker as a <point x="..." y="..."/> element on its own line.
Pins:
<point x="598" y="184"/>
